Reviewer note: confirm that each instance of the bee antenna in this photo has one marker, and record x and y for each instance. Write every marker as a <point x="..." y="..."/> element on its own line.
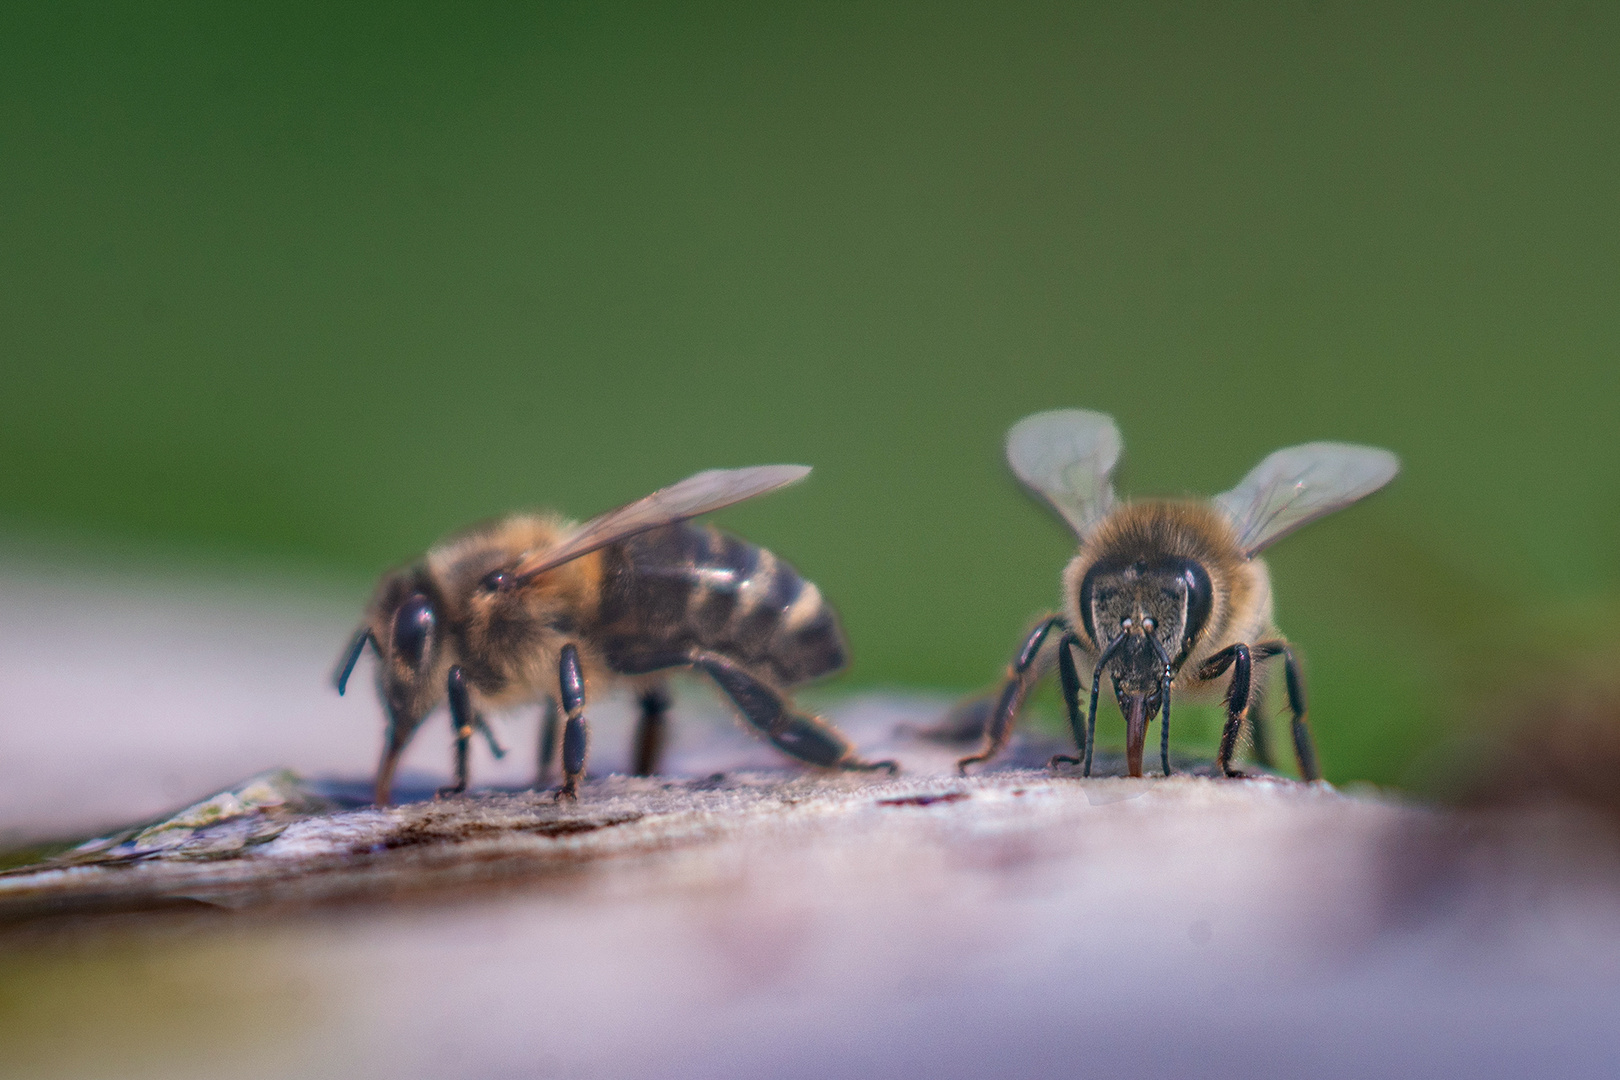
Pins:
<point x="351" y="657"/>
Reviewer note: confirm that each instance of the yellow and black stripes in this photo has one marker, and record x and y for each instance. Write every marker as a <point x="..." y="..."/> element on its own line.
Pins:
<point x="688" y="587"/>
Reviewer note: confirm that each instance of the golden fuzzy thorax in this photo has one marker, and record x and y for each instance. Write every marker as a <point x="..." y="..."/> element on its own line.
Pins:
<point x="1241" y="588"/>
<point x="507" y="641"/>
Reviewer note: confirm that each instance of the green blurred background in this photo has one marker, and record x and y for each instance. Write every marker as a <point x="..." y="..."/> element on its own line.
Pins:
<point x="309" y="285"/>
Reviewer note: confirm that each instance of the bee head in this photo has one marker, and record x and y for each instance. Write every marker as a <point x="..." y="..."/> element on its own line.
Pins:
<point x="1166" y="597"/>
<point x="404" y="625"/>
<point x="1144" y="610"/>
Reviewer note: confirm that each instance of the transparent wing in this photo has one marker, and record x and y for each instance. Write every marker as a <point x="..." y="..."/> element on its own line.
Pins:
<point x="1296" y="485"/>
<point x="1067" y="456"/>
<point x="697" y="494"/>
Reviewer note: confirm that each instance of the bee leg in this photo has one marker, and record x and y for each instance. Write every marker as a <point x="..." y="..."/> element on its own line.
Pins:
<point x="808" y="738"/>
<point x="576" y="737"/>
<point x="965" y="723"/>
<point x="461" y="724"/>
<point x="1020" y="677"/>
<point x="652" y="731"/>
<point x="550" y="732"/>
<point x="1237" y="658"/>
<point x="1304" y="747"/>
<point x="1164" y="724"/>
<point x="1261" y="742"/>
<point x="1166" y="675"/>
<point x="1069" y="679"/>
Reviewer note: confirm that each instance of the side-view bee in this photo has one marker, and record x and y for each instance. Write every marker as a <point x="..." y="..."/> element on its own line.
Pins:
<point x="1168" y="596"/>
<point x="535" y="609"/>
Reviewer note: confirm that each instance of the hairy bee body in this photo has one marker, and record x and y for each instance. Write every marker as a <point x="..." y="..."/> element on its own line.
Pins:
<point x="688" y="587"/>
<point x="1165" y="598"/>
<point x="1131" y="550"/>
<point x="538" y="609"/>
<point x="669" y="591"/>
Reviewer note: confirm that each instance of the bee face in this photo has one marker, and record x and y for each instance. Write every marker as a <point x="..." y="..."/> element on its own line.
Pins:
<point x="1168" y="571"/>
<point x="1154" y="594"/>
<point x="408" y="625"/>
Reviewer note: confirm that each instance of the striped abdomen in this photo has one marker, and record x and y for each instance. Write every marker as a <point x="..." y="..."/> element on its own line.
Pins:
<point x="685" y="587"/>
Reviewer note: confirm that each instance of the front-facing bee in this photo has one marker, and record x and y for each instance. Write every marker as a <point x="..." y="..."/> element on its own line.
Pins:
<point x="536" y="609"/>
<point x="1168" y="596"/>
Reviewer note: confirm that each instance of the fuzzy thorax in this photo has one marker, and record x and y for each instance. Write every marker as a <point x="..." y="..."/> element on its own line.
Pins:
<point x="508" y="639"/>
<point x="505" y="640"/>
<point x="1147" y="534"/>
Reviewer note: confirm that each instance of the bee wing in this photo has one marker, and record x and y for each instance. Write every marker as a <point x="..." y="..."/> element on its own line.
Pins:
<point x="1296" y="485"/>
<point x="1067" y="456"/>
<point x="697" y="494"/>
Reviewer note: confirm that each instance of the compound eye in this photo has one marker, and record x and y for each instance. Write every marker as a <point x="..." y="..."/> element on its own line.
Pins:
<point x="1200" y="598"/>
<point x="413" y="622"/>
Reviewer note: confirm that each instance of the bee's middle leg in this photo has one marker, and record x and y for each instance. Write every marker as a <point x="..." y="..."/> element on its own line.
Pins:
<point x="652" y="731"/>
<point x="550" y="734"/>
<point x="1260" y="741"/>
<point x="1237" y="658"/>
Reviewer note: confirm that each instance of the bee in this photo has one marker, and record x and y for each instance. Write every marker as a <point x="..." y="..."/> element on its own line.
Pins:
<point x="536" y="609"/>
<point x="1168" y="596"/>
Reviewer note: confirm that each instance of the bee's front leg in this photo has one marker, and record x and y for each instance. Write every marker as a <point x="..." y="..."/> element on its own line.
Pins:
<point x="461" y="726"/>
<point x="576" y="737"/>
<point x="1237" y="658"/>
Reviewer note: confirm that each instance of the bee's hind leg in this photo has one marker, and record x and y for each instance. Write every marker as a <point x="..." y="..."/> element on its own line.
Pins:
<point x="1304" y="746"/>
<point x="652" y="731"/>
<point x="808" y="738"/>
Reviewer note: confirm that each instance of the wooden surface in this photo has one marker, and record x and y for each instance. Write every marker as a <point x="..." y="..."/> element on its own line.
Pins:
<point x="1016" y="924"/>
<point x="760" y="923"/>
